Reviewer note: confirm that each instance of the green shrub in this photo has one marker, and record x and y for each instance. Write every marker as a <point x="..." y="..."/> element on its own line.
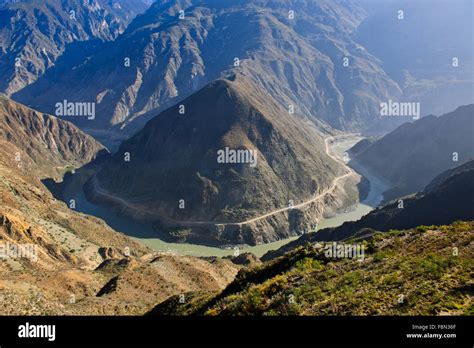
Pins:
<point x="380" y="256"/>
<point x="433" y="265"/>
<point x="422" y="228"/>
<point x="308" y="264"/>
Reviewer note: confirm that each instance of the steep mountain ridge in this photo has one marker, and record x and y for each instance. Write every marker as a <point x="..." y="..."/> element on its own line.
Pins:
<point x="51" y="144"/>
<point x="298" y="60"/>
<point x="35" y="33"/>
<point x="174" y="173"/>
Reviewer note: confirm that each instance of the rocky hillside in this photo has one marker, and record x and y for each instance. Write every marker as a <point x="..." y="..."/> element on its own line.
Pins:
<point x="174" y="173"/>
<point x="55" y="261"/>
<point x="449" y="197"/>
<point x="43" y="142"/>
<point x="413" y="154"/>
<point x="425" y="271"/>
<point x="35" y="33"/>
<point x="294" y="50"/>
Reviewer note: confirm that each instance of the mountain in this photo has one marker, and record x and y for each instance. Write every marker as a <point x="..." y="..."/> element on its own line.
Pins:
<point x="299" y="61"/>
<point x="440" y="179"/>
<point x="413" y="154"/>
<point x="362" y="145"/>
<point x="419" y="51"/>
<point x="455" y="188"/>
<point x="43" y="142"/>
<point x="35" y="33"/>
<point x="410" y="272"/>
<point x="174" y="173"/>
<point x="448" y="198"/>
<point x="55" y="261"/>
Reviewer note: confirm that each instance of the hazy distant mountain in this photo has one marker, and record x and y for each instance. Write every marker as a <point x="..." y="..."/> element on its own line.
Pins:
<point x="175" y="157"/>
<point x="427" y="49"/>
<point x="413" y="154"/>
<point x="299" y="60"/>
<point x="449" y="197"/>
<point x="35" y="33"/>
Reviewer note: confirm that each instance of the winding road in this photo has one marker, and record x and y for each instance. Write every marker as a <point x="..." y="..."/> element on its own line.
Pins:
<point x="98" y="190"/>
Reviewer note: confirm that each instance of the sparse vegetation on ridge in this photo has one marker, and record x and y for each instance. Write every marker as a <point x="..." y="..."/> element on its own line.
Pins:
<point x="423" y="271"/>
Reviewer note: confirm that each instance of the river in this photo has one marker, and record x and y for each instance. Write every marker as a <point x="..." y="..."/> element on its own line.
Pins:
<point x="144" y="234"/>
